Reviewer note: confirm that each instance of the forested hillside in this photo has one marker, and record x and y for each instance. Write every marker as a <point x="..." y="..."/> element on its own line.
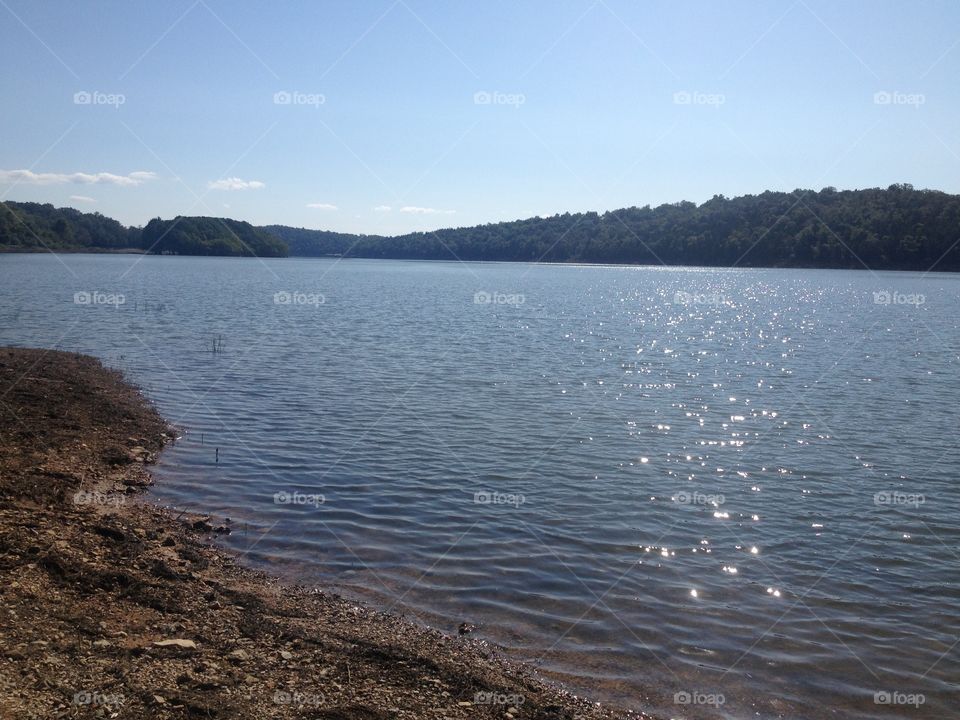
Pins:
<point x="313" y="243"/>
<point x="36" y="226"/>
<point x="896" y="228"/>
<point x="210" y="236"/>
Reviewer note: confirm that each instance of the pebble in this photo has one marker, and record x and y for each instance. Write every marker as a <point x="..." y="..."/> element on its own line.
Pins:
<point x="139" y="454"/>
<point x="286" y="655"/>
<point x="175" y="642"/>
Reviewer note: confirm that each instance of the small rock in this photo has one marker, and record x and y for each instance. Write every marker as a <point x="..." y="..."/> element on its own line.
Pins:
<point x="101" y="643"/>
<point x="238" y="654"/>
<point x="286" y="655"/>
<point x="158" y="700"/>
<point x="138" y="453"/>
<point x="176" y="642"/>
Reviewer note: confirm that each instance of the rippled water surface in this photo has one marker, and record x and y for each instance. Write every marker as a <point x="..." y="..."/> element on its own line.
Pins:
<point x="656" y="484"/>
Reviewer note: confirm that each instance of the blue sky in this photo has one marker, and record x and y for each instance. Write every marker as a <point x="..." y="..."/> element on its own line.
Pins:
<point x="385" y="116"/>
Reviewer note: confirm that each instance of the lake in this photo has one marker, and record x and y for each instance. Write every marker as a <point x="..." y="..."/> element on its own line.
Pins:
<point x="702" y="493"/>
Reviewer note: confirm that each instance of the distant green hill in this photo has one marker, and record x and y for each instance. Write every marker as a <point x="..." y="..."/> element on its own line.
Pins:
<point x="28" y="226"/>
<point x="210" y="236"/>
<point x="34" y="226"/>
<point x="314" y="243"/>
<point x="898" y="228"/>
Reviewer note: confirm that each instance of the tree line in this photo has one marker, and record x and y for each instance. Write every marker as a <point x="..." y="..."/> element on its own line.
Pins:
<point x="32" y="226"/>
<point x="897" y="228"/>
<point x="894" y="228"/>
<point x="210" y="236"/>
<point x="28" y="226"/>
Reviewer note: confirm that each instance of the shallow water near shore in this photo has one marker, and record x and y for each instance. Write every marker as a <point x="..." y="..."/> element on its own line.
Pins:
<point x="697" y="492"/>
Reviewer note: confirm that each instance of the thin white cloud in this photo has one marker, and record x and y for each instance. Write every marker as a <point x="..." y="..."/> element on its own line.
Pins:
<point x="322" y="206"/>
<point x="414" y="210"/>
<point x="78" y="178"/>
<point x="382" y="208"/>
<point x="82" y="198"/>
<point x="235" y="183"/>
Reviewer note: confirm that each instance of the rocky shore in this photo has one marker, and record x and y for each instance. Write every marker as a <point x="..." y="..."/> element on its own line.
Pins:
<point x="111" y="607"/>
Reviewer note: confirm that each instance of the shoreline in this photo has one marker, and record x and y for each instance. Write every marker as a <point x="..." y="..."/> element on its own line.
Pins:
<point x="118" y="608"/>
<point x="13" y="250"/>
<point x="923" y="272"/>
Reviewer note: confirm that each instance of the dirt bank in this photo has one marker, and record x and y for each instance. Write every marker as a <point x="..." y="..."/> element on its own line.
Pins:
<point x="112" y="608"/>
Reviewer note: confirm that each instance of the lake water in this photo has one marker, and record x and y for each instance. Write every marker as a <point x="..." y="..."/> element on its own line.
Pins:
<point x="661" y="486"/>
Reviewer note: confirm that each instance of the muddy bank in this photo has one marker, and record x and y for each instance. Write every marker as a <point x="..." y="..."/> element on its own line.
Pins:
<point x="110" y="607"/>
